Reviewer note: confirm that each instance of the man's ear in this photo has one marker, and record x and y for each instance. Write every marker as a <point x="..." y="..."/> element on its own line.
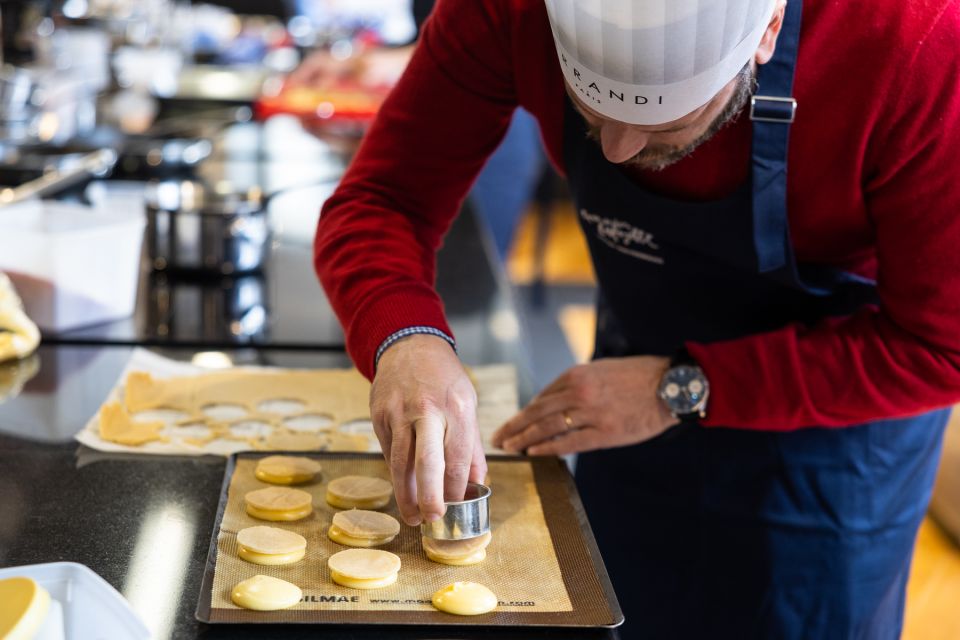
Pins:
<point x="768" y="43"/>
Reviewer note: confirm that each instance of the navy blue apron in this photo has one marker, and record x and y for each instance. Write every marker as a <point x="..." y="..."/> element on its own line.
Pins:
<point x="726" y="533"/>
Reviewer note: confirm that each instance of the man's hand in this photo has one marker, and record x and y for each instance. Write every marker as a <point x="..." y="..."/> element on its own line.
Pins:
<point x="606" y="403"/>
<point x="424" y="411"/>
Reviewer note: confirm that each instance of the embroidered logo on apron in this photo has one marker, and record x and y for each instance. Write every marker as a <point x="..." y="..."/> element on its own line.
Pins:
<point x="623" y="236"/>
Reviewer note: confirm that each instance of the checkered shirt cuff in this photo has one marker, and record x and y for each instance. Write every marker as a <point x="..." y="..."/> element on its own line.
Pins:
<point x="410" y="331"/>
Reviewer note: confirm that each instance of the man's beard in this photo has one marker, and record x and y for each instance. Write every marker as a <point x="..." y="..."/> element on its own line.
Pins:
<point x="660" y="156"/>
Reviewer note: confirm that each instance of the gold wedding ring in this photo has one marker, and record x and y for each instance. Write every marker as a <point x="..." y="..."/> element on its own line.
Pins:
<point x="567" y="419"/>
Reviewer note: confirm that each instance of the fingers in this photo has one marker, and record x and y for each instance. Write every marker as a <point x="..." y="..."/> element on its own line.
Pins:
<point x="429" y="432"/>
<point x="542" y="430"/>
<point x="537" y="410"/>
<point x="401" y="460"/>
<point x="381" y="427"/>
<point x="478" y="463"/>
<point x="458" y="445"/>
<point x="574" y="441"/>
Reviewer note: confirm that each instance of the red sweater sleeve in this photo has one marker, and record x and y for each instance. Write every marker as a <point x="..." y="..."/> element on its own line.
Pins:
<point x="903" y="357"/>
<point x="376" y="243"/>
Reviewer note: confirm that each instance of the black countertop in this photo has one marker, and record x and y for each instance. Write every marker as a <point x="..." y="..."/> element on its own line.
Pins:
<point x="143" y="523"/>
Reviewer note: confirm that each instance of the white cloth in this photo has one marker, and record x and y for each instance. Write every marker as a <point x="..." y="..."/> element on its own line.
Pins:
<point x="653" y="61"/>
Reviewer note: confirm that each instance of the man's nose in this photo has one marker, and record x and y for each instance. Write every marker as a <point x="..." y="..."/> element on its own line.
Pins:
<point x="620" y="142"/>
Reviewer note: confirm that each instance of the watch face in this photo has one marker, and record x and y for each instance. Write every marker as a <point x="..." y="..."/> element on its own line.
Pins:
<point x="684" y="389"/>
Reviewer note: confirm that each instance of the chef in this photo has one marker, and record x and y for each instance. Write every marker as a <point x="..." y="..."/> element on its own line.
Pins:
<point x="770" y="197"/>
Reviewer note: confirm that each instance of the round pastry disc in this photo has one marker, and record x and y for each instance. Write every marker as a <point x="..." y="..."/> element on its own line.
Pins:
<point x="271" y="540"/>
<point x="364" y="564"/>
<point x="367" y="525"/>
<point x="360" y="488"/>
<point x="297" y="469"/>
<point x="455" y="549"/>
<point x="278" y="499"/>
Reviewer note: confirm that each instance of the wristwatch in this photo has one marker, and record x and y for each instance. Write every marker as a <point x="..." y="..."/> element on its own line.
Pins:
<point x="684" y="388"/>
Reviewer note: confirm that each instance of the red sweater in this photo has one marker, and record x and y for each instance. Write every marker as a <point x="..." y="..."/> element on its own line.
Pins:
<point x="873" y="187"/>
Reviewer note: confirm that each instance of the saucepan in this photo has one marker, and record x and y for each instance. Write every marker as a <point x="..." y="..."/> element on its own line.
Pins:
<point x="198" y="228"/>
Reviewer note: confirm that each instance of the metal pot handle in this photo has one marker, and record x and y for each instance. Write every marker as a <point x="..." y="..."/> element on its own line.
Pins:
<point x="96" y="163"/>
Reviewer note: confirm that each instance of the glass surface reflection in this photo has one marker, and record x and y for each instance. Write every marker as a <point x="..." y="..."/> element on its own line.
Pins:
<point x="158" y="567"/>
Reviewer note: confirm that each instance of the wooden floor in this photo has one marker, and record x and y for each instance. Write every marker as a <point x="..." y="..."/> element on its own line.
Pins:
<point x="566" y="261"/>
<point x="933" y="594"/>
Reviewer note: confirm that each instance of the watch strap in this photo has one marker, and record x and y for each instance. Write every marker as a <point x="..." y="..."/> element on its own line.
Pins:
<point x="682" y="357"/>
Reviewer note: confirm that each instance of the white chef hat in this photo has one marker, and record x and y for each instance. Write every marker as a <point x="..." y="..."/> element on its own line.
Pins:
<point x="652" y="61"/>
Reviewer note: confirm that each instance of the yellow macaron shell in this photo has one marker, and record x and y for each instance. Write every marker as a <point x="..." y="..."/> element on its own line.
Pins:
<point x="457" y="552"/>
<point x="359" y="492"/>
<point x="362" y="583"/>
<point x="364" y="568"/>
<point x="270" y="545"/>
<point x="265" y="593"/>
<point x="23" y="607"/>
<point x="286" y="470"/>
<point x="348" y="503"/>
<point x="279" y="516"/>
<point x="361" y="528"/>
<point x="337" y="534"/>
<point x="476" y="557"/>
<point x="465" y="599"/>
<point x="278" y="504"/>
<point x="270" y="559"/>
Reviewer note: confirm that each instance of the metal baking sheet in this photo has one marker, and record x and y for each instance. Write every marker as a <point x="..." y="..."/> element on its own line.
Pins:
<point x="560" y="582"/>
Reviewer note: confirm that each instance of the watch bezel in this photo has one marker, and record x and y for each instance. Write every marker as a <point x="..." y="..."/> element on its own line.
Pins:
<point x="686" y="404"/>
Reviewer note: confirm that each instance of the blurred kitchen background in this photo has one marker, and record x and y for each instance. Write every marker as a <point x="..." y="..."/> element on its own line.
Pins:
<point x="160" y="182"/>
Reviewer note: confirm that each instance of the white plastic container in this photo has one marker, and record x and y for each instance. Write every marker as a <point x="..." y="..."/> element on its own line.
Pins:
<point x="72" y="265"/>
<point x="91" y="609"/>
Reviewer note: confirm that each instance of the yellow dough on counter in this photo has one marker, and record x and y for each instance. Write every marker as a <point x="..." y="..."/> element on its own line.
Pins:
<point x="270" y="545"/>
<point x="357" y="528"/>
<point x="457" y="552"/>
<point x="286" y="469"/>
<point x="14" y="375"/>
<point x="364" y="568"/>
<point x="23" y="608"/>
<point x="292" y="442"/>
<point x="359" y="492"/>
<point x="19" y="336"/>
<point x="265" y="593"/>
<point x="278" y="504"/>
<point x="465" y="599"/>
<point x="341" y="394"/>
<point x="336" y="441"/>
<point x="116" y="425"/>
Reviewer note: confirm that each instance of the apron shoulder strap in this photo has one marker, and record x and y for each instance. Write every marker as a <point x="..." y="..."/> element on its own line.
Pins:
<point x="772" y="110"/>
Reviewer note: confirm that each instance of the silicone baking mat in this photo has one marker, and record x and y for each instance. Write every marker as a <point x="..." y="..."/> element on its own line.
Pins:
<point x="542" y="562"/>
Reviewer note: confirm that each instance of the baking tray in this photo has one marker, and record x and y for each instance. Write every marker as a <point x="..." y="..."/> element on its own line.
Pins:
<point x="543" y="561"/>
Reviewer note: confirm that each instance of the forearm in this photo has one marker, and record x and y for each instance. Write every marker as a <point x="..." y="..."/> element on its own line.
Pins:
<point x="844" y="371"/>
<point x="379" y="233"/>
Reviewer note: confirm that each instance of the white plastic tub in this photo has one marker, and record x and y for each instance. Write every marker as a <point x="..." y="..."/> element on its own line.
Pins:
<point x="91" y="608"/>
<point x="72" y="265"/>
